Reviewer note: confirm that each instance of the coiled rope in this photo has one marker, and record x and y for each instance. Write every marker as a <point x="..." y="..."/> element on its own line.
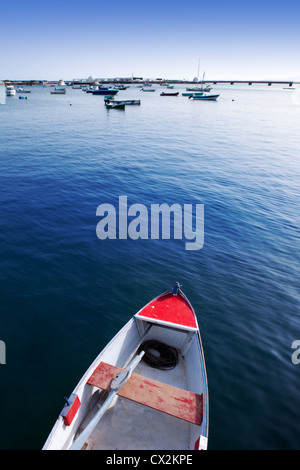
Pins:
<point x="167" y="358"/>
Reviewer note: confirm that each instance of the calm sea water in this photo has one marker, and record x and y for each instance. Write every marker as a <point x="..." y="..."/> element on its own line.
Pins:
<point x="64" y="293"/>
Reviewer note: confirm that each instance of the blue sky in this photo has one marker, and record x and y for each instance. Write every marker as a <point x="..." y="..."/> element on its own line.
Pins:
<point x="69" y="39"/>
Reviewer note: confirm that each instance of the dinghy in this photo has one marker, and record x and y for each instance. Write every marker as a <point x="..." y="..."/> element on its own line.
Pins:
<point x="125" y="102"/>
<point x="147" y="389"/>
<point x="204" y="97"/>
<point x="113" y="104"/>
<point x="169" y="94"/>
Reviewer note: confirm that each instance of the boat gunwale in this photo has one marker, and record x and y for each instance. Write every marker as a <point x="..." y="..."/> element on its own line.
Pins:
<point x="82" y="383"/>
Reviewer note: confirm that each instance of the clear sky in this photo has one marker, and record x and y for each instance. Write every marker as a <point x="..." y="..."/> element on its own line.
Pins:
<point x="255" y="40"/>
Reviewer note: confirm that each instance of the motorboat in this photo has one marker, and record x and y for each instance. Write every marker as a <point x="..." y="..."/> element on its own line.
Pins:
<point x="10" y="90"/>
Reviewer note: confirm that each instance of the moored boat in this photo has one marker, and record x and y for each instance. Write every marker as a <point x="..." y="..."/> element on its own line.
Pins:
<point x="125" y="102"/>
<point x="21" y="90"/>
<point x="105" y="91"/>
<point x="204" y="97"/>
<point x="147" y="389"/>
<point x="190" y="93"/>
<point x="169" y="94"/>
<point x="58" y="91"/>
<point x="113" y="104"/>
<point x="201" y="88"/>
<point x="10" y="90"/>
<point x="148" y="89"/>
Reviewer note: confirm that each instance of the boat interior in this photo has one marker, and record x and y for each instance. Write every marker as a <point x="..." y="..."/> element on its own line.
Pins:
<point x="159" y="409"/>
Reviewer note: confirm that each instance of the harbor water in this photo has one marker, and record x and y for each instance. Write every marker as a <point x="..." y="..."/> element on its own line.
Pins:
<point x="65" y="293"/>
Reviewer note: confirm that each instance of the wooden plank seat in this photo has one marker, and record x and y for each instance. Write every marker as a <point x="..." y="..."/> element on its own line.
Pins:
<point x="152" y="393"/>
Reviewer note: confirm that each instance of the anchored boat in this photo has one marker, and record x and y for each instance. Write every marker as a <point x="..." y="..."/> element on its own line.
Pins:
<point x="10" y="90"/>
<point x="105" y="91"/>
<point x="125" y="102"/>
<point x="147" y="389"/>
<point x="112" y="104"/>
<point x="204" y="97"/>
<point x="169" y="94"/>
<point x="58" y="91"/>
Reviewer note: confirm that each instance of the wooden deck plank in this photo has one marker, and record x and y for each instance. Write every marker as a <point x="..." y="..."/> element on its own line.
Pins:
<point x="152" y="393"/>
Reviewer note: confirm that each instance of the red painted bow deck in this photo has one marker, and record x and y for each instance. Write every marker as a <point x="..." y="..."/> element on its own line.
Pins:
<point x="170" y="309"/>
<point x="152" y="393"/>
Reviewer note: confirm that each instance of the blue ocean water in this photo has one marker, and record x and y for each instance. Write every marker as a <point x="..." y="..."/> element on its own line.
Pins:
<point x="65" y="293"/>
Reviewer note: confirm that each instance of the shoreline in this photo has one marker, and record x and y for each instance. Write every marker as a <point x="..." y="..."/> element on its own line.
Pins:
<point x="152" y="82"/>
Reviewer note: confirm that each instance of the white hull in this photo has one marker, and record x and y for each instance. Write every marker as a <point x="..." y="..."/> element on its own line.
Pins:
<point x="129" y="424"/>
<point x="10" y="91"/>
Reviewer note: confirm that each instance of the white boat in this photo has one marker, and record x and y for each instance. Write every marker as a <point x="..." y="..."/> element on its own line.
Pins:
<point x="204" y="97"/>
<point x="21" y="90"/>
<point x="202" y="88"/>
<point x="125" y="102"/>
<point x="10" y="90"/>
<point x="58" y="91"/>
<point x="163" y="404"/>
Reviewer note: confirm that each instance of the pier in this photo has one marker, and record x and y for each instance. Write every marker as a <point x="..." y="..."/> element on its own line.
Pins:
<point x="156" y="81"/>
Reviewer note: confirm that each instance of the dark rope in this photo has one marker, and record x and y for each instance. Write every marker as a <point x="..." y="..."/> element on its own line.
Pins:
<point x="168" y="356"/>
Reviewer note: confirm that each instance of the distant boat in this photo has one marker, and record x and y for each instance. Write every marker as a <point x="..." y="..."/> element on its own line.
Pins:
<point x="190" y="93"/>
<point x="125" y="102"/>
<point x="10" y="90"/>
<point x="58" y="91"/>
<point x="148" y="89"/>
<point x="21" y="90"/>
<point x="105" y="91"/>
<point x="204" y="97"/>
<point x="202" y="87"/>
<point x="147" y="389"/>
<point x="121" y="87"/>
<point x="112" y="104"/>
<point x="169" y="94"/>
<point x="22" y="97"/>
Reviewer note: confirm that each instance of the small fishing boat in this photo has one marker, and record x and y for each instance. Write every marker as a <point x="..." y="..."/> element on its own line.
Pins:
<point x="147" y="389"/>
<point x="169" y="94"/>
<point x="105" y="91"/>
<point x="204" y="97"/>
<point x="201" y="88"/>
<point x="58" y="91"/>
<point x="10" y="90"/>
<point x="148" y="89"/>
<point x="21" y="90"/>
<point x="190" y="93"/>
<point x="22" y="97"/>
<point x="125" y="102"/>
<point x="112" y="104"/>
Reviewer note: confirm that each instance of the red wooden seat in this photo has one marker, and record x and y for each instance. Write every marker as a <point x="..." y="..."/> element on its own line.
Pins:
<point x="152" y="393"/>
